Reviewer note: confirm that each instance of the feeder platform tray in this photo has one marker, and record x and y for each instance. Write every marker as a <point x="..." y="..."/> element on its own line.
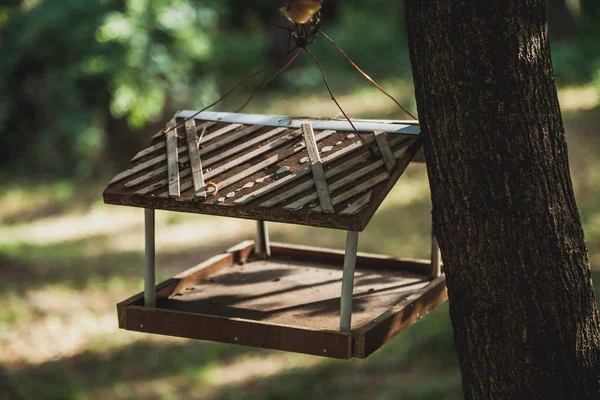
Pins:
<point x="289" y="301"/>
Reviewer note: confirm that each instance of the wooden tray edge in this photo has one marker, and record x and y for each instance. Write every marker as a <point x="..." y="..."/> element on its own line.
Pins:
<point x="388" y="325"/>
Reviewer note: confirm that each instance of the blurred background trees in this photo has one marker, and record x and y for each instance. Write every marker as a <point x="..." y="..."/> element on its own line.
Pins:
<point x="79" y="81"/>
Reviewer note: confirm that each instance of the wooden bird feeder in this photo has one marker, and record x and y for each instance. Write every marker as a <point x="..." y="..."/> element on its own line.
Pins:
<point x="339" y="304"/>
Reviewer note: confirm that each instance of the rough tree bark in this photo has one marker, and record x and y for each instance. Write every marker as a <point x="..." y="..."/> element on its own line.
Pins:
<point x="521" y="298"/>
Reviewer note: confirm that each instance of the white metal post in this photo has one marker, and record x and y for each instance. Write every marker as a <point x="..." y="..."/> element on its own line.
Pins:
<point x="348" y="281"/>
<point x="264" y="247"/>
<point x="149" y="276"/>
<point x="436" y="257"/>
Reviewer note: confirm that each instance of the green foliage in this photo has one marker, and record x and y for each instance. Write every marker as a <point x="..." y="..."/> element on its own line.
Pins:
<point x="71" y="73"/>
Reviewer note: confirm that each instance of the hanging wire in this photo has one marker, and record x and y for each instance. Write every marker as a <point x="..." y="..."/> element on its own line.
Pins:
<point x="333" y="97"/>
<point x="365" y="74"/>
<point x="254" y="75"/>
<point x="260" y="89"/>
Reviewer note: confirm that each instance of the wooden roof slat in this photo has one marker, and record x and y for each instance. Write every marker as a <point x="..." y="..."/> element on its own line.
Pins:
<point x="384" y="148"/>
<point x="358" y="204"/>
<point x="172" y="160"/>
<point x="161" y="145"/>
<point x="162" y="183"/>
<point x="317" y="168"/>
<point x="140" y="167"/>
<point x="229" y="139"/>
<point x="223" y="131"/>
<point x="194" y="154"/>
<point x="300" y="203"/>
<point x="247" y="144"/>
<point x="309" y="184"/>
<point x="270" y="161"/>
<point x="149" y="150"/>
<point x="297" y="175"/>
<point x="376" y="180"/>
<point x="260" y="166"/>
<point x="365" y="185"/>
<point x="207" y="125"/>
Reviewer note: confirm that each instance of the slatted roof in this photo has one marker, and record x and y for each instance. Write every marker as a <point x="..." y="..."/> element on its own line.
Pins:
<point x="271" y="168"/>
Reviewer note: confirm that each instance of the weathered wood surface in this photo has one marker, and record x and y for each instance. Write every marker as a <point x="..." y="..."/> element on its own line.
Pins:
<point x="384" y="148"/>
<point x="317" y="169"/>
<point x="269" y="303"/>
<point x="173" y="160"/>
<point x="258" y="171"/>
<point x="194" y="156"/>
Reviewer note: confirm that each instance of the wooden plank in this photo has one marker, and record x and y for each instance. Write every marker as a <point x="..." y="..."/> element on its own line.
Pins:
<point x="149" y="150"/>
<point x="358" y="205"/>
<point x="247" y="144"/>
<point x="385" y="149"/>
<point x="298" y="204"/>
<point x="242" y="251"/>
<point x="172" y="160"/>
<point x="194" y="154"/>
<point x="233" y="163"/>
<point x="258" y="167"/>
<point x="328" y="174"/>
<point x="372" y="336"/>
<point x="374" y="181"/>
<point x="322" y="255"/>
<point x="160" y="184"/>
<point x="317" y="169"/>
<point x="142" y="166"/>
<point x="229" y="139"/>
<point x="270" y="161"/>
<point x="238" y="331"/>
<point x="297" y="175"/>
<point x="207" y="125"/>
<point x="159" y="171"/>
<point x="161" y="145"/>
<point x="223" y="131"/>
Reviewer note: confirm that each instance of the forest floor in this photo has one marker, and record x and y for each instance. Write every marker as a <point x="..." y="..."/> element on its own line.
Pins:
<point x="66" y="259"/>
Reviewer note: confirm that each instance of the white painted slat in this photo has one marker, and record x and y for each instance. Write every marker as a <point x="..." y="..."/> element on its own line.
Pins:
<point x="207" y="125"/>
<point x="247" y="144"/>
<point x="140" y="167"/>
<point x="362" y="125"/>
<point x="253" y="154"/>
<point x="317" y="168"/>
<point x="223" y="131"/>
<point x="298" y="204"/>
<point x="163" y="182"/>
<point x="194" y="154"/>
<point x="149" y="150"/>
<point x="229" y="139"/>
<point x="299" y="174"/>
<point x="262" y="165"/>
<point x="328" y="174"/>
<point x="157" y="172"/>
<point x="358" y="204"/>
<point x="374" y="181"/>
<point x="385" y="149"/>
<point x="270" y="161"/>
<point x="172" y="160"/>
<point x="154" y="173"/>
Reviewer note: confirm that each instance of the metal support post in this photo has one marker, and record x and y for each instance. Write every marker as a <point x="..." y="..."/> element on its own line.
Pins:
<point x="436" y="257"/>
<point x="149" y="276"/>
<point x="348" y="281"/>
<point x="263" y="246"/>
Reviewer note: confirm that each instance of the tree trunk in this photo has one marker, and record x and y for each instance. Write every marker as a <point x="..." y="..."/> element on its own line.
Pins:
<point x="522" y="304"/>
